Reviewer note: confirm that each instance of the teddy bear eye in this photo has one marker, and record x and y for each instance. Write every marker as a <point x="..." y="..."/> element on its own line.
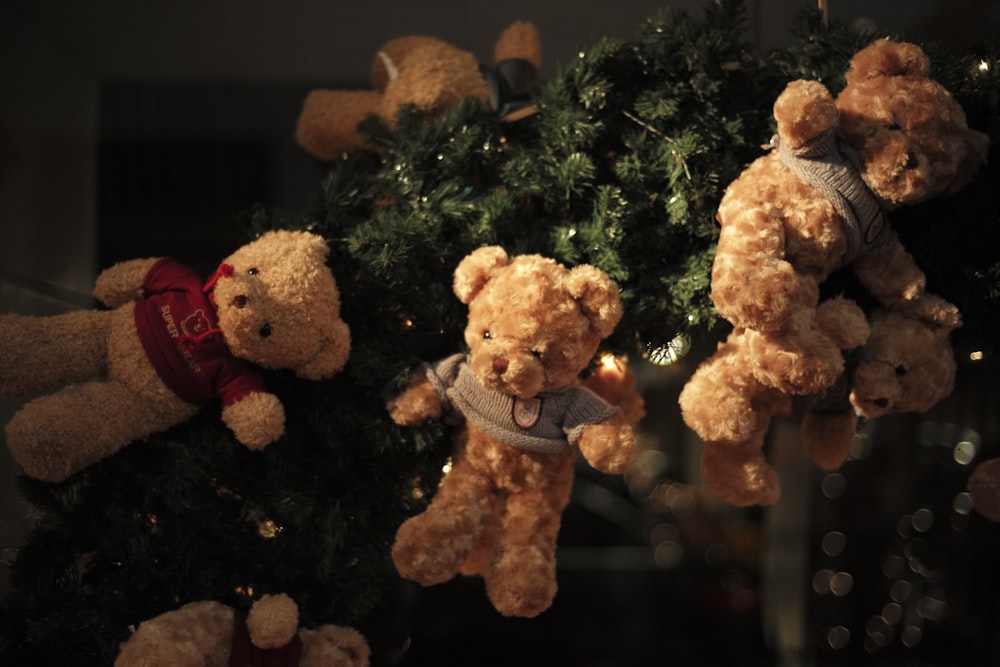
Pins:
<point x="900" y="370"/>
<point x="895" y="127"/>
<point x="486" y="335"/>
<point x="253" y="271"/>
<point x="265" y="330"/>
<point x="537" y="354"/>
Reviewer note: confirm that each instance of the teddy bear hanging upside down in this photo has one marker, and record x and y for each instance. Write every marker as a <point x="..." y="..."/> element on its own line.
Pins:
<point x="169" y="344"/>
<point x="892" y="137"/>
<point x="533" y="326"/>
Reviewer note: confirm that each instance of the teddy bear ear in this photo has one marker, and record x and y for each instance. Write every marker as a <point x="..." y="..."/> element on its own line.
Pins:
<point x="476" y="269"/>
<point x="597" y="295"/>
<point x="273" y="621"/>
<point x="888" y="58"/>
<point x="313" y="245"/>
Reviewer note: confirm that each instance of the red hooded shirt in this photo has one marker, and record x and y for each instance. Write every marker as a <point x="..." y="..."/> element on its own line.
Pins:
<point x="179" y="331"/>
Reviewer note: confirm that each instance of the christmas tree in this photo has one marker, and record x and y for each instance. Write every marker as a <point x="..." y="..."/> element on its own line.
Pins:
<point x="622" y="167"/>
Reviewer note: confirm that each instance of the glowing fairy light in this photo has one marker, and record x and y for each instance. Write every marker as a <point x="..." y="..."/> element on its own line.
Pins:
<point x="610" y="362"/>
<point x="984" y="66"/>
<point x="268" y="529"/>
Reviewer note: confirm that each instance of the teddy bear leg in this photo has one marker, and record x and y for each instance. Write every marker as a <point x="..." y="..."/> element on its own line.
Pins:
<point x="39" y="354"/>
<point x="485" y="548"/>
<point x="55" y="436"/>
<point x="716" y="402"/>
<point x="739" y="474"/>
<point x="431" y="547"/>
<point x="802" y="360"/>
<point x="522" y="580"/>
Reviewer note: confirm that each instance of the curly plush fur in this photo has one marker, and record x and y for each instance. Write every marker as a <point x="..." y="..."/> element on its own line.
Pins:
<point x="200" y="634"/>
<point x="905" y="364"/>
<point x="782" y="237"/>
<point x="533" y="326"/>
<point x="277" y="306"/>
<point x="425" y="72"/>
<point x="893" y="138"/>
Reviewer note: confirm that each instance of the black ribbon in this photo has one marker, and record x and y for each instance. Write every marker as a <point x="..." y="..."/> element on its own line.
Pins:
<point x="510" y="85"/>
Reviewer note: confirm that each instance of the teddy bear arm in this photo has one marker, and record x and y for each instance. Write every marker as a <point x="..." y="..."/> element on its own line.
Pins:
<point x="609" y="446"/>
<point x="328" y="123"/>
<point x="753" y="284"/>
<point x="334" y="646"/>
<point x="256" y="420"/>
<point x="419" y="402"/>
<point x="827" y="437"/>
<point x="843" y="321"/>
<point x="892" y="277"/>
<point x="804" y="111"/>
<point x="897" y="282"/>
<point x="123" y="282"/>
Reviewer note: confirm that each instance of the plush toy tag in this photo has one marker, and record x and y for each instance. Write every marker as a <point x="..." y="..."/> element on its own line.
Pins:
<point x="527" y="411"/>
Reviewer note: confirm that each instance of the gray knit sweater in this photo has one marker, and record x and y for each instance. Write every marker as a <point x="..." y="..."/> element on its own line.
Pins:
<point x="832" y="169"/>
<point x="550" y="422"/>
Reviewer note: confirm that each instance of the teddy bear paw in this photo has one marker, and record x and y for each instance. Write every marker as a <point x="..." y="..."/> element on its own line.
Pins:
<point x="522" y="582"/>
<point x="424" y="554"/>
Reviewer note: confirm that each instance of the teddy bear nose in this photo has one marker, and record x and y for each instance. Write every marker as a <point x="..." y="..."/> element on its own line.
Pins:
<point x="499" y="364"/>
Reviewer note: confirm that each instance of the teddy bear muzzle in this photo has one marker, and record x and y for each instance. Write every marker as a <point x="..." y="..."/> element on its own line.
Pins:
<point x="883" y="389"/>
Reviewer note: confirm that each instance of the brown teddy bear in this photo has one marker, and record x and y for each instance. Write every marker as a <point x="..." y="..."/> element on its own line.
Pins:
<point x="171" y="343"/>
<point x="984" y="487"/>
<point x="818" y="202"/>
<point x="533" y="326"/>
<point x="210" y="634"/>
<point x="903" y="364"/>
<point x="429" y="74"/>
<point x="906" y="365"/>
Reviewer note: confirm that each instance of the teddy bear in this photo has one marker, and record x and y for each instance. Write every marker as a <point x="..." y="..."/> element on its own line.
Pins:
<point x="983" y="486"/>
<point x="211" y="634"/>
<point x="533" y="326"/>
<point x="429" y="74"/>
<point x="906" y="365"/>
<point x="168" y="344"/>
<point x="819" y="200"/>
<point x="896" y="362"/>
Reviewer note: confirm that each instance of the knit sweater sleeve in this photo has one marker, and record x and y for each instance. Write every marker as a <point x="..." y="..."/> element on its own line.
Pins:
<point x="586" y="409"/>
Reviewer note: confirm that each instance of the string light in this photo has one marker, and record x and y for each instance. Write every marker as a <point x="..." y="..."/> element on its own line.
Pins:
<point x="669" y="352"/>
<point x="268" y="529"/>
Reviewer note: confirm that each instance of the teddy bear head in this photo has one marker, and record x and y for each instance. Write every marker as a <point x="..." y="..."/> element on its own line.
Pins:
<point x="279" y="307"/>
<point x="907" y="365"/>
<point x="910" y="135"/>
<point x="533" y="323"/>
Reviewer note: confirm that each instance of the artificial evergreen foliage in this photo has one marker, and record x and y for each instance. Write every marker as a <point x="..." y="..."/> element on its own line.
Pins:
<point x="622" y="167"/>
